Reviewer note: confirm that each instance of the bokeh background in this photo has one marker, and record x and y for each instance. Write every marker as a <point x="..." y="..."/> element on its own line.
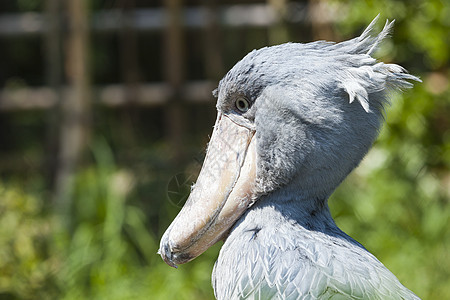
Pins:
<point x="105" y="112"/>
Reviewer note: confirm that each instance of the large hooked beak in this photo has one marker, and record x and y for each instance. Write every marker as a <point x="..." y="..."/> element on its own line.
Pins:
<point x="224" y="190"/>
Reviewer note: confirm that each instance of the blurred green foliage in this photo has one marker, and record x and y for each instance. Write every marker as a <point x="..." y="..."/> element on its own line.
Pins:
<point x="396" y="202"/>
<point x="25" y="234"/>
<point x="100" y="248"/>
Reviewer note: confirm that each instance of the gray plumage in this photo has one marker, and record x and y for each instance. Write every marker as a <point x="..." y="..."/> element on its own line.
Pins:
<point x="316" y="109"/>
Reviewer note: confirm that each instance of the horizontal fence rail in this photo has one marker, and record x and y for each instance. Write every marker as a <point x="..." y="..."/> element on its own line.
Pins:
<point x="151" y="94"/>
<point x="155" y="19"/>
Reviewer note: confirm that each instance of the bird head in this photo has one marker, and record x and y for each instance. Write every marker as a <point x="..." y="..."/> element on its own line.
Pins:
<point x="302" y="115"/>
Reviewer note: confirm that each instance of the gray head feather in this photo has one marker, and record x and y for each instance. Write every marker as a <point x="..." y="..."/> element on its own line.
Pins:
<point x="310" y="89"/>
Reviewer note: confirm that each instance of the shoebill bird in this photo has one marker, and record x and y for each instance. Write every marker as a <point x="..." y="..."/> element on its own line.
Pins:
<point x="293" y="121"/>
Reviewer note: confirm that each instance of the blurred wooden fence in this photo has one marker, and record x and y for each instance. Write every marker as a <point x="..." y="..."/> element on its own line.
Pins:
<point x="173" y="19"/>
<point x="65" y="28"/>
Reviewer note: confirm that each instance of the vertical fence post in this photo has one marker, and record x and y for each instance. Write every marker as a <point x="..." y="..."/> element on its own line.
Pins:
<point x="129" y="51"/>
<point x="278" y="32"/>
<point x="128" y="46"/>
<point x="212" y="42"/>
<point x="75" y="107"/>
<point x="321" y="28"/>
<point x="53" y="62"/>
<point x="174" y="73"/>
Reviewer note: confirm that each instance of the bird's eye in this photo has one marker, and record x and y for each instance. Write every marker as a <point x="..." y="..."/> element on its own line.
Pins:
<point x="242" y="104"/>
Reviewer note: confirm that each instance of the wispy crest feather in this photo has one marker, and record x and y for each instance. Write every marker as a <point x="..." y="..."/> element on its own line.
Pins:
<point x="366" y="43"/>
<point x="368" y="74"/>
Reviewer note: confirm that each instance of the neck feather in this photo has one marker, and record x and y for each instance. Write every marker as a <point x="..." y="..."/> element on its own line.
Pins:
<point x="291" y="210"/>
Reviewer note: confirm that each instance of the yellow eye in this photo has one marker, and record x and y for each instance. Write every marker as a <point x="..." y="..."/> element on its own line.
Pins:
<point x="242" y="104"/>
